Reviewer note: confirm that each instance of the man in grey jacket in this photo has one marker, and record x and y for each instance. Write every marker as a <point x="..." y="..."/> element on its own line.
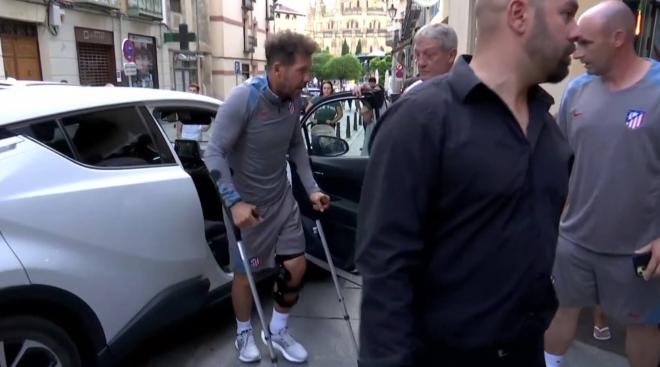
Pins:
<point x="255" y="130"/>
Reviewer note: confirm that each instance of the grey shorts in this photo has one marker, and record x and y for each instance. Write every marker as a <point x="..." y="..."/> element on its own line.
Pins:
<point x="280" y="232"/>
<point x="584" y="278"/>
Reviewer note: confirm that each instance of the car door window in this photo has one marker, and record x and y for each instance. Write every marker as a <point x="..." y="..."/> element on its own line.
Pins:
<point x="350" y="119"/>
<point x="117" y="137"/>
<point x="186" y="123"/>
<point x="47" y="133"/>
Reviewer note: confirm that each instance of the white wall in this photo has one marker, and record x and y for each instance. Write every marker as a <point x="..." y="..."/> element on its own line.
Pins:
<point x="227" y="44"/>
<point x="461" y="19"/>
<point x="59" y="58"/>
<point x="2" y="66"/>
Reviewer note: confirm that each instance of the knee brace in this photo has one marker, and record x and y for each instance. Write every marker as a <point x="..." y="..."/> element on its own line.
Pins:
<point x="282" y="287"/>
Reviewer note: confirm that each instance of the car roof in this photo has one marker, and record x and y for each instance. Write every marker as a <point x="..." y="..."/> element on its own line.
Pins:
<point x="25" y="101"/>
<point x="13" y="83"/>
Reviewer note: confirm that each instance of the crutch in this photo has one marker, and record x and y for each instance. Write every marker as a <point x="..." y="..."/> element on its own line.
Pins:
<point x="253" y="287"/>
<point x="318" y="230"/>
<point x="248" y="271"/>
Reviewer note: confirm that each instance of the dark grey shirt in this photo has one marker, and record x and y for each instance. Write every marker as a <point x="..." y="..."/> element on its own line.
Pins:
<point x="458" y="223"/>
<point x="253" y="133"/>
<point x="614" y="200"/>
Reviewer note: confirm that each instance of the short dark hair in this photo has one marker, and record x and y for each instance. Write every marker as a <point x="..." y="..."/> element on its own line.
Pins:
<point x="372" y="79"/>
<point x="284" y="46"/>
<point x="194" y="85"/>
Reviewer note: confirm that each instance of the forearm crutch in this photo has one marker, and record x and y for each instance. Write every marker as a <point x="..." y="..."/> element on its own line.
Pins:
<point x="319" y="231"/>
<point x="253" y="287"/>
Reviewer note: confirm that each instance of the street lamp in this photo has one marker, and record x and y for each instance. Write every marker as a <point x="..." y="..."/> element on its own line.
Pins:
<point x="391" y="12"/>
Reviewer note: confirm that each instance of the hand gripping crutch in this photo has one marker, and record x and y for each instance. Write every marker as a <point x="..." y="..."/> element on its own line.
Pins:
<point x="319" y="231"/>
<point x="253" y="287"/>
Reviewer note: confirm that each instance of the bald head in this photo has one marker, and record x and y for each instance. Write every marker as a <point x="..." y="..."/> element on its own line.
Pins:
<point x="536" y="35"/>
<point x="606" y="38"/>
<point x="489" y="13"/>
<point x="609" y="17"/>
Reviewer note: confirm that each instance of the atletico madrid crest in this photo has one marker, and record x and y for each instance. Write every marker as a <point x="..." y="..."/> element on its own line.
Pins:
<point x="635" y="119"/>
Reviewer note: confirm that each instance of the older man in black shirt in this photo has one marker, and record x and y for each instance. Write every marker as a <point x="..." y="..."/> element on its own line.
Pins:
<point x="462" y="198"/>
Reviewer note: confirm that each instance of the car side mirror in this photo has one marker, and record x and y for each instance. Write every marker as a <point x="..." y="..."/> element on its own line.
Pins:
<point x="329" y="146"/>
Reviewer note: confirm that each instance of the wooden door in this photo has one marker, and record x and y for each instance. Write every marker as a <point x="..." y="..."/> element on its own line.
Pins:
<point x="20" y="55"/>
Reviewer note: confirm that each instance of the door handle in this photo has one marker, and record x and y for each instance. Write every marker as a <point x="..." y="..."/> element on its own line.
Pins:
<point x="318" y="173"/>
<point x="9" y="143"/>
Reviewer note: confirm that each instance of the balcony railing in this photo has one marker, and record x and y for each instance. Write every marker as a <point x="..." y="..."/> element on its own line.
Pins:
<point x="351" y="11"/>
<point x="376" y="11"/>
<point x="146" y="8"/>
<point x="392" y="41"/>
<point x="113" y="4"/>
<point x="383" y="33"/>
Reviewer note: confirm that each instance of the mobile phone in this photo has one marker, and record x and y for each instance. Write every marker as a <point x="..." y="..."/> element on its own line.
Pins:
<point x="640" y="261"/>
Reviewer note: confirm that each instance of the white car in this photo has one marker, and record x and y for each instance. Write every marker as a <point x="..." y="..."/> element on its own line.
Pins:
<point x="107" y="231"/>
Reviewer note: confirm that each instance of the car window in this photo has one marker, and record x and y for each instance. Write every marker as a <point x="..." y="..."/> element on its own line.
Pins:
<point x="197" y="124"/>
<point x="47" y="133"/>
<point x="351" y="119"/>
<point x="118" y="137"/>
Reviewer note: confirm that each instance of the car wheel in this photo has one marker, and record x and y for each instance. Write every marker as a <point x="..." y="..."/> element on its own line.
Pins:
<point x="27" y="341"/>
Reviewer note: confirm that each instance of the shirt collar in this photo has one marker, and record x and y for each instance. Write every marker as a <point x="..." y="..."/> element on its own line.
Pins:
<point x="270" y="95"/>
<point x="465" y="82"/>
<point x="273" y="97"/>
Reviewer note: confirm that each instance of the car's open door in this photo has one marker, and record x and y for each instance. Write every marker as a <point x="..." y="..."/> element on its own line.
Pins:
<point x="338" y="149"/>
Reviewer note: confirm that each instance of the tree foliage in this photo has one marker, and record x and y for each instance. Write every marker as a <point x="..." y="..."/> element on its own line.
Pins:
<point x="346" y="67"/>
<point x="344" y="48"/>
<point x="358" y="48"/>
<point x="328" y="67"/>
<point x="382" y="64"/>
<point x="319" y="63"/>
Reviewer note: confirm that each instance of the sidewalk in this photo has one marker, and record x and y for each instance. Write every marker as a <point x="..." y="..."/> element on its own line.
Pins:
<point x="317" y="322"/>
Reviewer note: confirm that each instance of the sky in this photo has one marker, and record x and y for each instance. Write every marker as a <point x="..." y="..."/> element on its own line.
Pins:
<point x="299" y="5"/>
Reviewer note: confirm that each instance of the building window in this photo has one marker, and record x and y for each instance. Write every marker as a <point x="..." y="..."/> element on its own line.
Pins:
<point x="146" y="60"/>
<point x="175" y="6"/>
<point x="245" y="71"/>
<point x="185" y="71"/>
<point x="278" y="15"/>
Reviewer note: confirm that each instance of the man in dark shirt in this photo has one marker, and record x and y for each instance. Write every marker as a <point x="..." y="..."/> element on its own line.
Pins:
<point x="462" y="198"/>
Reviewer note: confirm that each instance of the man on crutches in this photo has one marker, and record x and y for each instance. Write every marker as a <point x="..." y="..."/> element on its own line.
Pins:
<point x="255" y="129"/>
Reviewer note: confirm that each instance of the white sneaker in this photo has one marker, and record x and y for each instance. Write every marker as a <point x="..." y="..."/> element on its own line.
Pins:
<point x="246" y="347"/>
<point x="289" y="347"/>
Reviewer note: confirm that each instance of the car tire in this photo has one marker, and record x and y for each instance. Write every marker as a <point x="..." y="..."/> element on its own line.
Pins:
<point x="35" y="342"/>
